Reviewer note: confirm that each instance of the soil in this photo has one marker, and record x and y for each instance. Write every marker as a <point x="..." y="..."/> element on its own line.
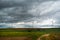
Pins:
<point x="15" y="38"/>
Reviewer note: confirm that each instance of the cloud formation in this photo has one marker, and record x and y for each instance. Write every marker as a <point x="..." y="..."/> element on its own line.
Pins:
<point x="14" y="11"/>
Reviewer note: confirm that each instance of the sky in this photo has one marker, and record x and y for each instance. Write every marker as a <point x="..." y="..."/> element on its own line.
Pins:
<point x="29" y="13"/>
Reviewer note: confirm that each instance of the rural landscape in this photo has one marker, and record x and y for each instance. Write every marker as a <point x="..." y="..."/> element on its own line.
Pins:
<point x="29" y="19"/>
<point x="30" y="34"/>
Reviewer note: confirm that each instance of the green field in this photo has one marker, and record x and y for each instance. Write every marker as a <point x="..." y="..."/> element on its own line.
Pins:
<point x="34" y="33"/>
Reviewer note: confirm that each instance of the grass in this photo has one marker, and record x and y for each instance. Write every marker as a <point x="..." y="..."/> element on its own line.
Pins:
<point x="28" y="33"/>
<point x="13" y="34"/>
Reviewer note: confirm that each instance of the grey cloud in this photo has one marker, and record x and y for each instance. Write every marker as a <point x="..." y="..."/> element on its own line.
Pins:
<point x="23" y="12"/>
<point x="11" y="3"/>
<point x="28" y="10"/>
<point x="14" y="14"/>
<point x="50" y="12"/>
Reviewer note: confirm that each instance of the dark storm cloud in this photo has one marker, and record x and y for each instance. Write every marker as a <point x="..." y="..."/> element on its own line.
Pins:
<point x="14" y="14"/>
<point x="13" y="11"/>
<point x="10" y="3"/>
<point x="16" y="10"/>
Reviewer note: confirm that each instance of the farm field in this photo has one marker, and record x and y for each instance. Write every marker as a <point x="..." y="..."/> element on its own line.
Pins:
<point x="28" y="33"/>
